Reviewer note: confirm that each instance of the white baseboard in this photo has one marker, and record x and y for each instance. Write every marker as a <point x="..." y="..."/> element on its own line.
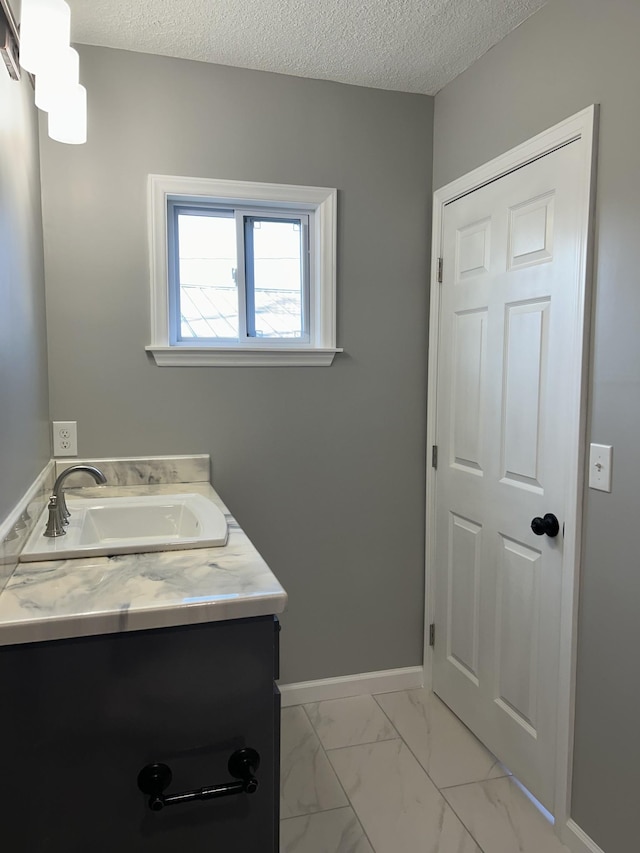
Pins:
<point x="577" y="839"/>
<point x="387" y="681"/>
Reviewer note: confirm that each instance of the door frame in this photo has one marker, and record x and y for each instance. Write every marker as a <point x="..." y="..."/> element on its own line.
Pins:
<point x="584" y="127"/>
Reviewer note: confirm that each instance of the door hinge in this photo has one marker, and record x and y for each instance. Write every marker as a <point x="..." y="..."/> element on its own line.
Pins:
<point x="434" y="456"/>
<point x="440" y="265"/>
<point x="432" y="634"/>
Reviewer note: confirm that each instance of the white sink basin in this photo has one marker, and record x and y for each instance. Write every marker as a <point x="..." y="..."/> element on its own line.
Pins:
<point x="130" y="526"/>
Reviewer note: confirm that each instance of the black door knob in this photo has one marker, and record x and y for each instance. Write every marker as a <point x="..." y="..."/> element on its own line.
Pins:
<point x="549" y="525"/>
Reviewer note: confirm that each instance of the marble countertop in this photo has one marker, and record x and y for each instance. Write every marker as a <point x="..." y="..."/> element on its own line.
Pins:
<point x="132" y="592"/>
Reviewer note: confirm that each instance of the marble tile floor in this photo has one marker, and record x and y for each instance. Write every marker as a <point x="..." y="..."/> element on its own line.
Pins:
<point x="398" y="773"/>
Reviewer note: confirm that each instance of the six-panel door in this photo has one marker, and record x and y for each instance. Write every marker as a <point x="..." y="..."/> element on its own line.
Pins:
<point x="508" y="301"/>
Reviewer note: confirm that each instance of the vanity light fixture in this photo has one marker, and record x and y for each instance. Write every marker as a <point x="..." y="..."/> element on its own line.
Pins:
<point x="68" y="116"/>
<point x="42" y="47"/>
<point x="45" y="31"/>
<point x="64" y="72"/>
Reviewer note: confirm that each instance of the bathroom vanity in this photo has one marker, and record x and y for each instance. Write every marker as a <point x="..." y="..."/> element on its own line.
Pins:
<point x="139" y="708"/>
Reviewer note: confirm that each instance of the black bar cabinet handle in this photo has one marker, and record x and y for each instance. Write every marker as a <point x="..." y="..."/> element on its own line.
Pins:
<point x="154" y="778"/>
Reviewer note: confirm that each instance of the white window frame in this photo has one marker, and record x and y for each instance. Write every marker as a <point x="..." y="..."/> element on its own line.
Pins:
<point x="320" y="203"/>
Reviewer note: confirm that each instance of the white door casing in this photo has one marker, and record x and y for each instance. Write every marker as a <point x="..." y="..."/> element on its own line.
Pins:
<point x="507" y="412"/>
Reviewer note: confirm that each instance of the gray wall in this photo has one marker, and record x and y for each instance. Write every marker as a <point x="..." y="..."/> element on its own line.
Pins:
<point x="24" y="433"/>
<point x="571" y="54"/>
<point x="323" y="467"/>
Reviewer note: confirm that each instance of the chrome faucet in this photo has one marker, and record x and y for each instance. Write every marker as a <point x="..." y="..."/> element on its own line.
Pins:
<point x="58" y="511"/>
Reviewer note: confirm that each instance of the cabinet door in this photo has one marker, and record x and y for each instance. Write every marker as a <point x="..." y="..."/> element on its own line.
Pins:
<point x="80" y="718"/>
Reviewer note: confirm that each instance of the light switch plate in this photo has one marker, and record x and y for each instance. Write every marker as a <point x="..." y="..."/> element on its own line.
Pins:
<point x="600" y="458"/>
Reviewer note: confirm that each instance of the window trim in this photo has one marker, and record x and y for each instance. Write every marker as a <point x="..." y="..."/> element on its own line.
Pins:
<point x="321" y="202"/>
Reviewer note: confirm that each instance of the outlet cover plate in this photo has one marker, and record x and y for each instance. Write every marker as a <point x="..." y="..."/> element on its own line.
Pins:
<point x="65" y="438"/>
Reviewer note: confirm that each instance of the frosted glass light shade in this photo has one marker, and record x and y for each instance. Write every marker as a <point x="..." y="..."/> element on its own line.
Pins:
<point x="52" y="82"/>
<point x="45" y="29"/>
<point x="68" y="116"/>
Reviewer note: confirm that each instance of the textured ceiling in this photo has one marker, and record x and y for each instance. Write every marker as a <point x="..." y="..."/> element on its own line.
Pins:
<point x="406" y="45"/>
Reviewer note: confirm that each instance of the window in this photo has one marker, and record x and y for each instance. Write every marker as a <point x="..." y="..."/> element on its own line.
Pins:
<point x="241" y="273"/>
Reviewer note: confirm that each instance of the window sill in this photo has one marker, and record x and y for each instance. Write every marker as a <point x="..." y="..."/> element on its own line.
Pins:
<point x="235" y="357"/>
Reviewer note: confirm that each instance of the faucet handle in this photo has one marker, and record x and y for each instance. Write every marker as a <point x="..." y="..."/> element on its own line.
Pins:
<point x="63" y="510"/>
<point x="55" y="525"/>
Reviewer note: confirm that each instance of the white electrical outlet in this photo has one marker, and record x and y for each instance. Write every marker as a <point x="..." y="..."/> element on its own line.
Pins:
<point x="600" y="467"/>
<point x="65" y="438"/>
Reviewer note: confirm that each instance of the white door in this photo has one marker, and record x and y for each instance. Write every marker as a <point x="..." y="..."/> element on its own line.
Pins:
<point x="510" y="291"/>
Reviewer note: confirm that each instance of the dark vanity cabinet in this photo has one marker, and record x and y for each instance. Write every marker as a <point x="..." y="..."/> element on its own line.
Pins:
<point x="80" y="718"/>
